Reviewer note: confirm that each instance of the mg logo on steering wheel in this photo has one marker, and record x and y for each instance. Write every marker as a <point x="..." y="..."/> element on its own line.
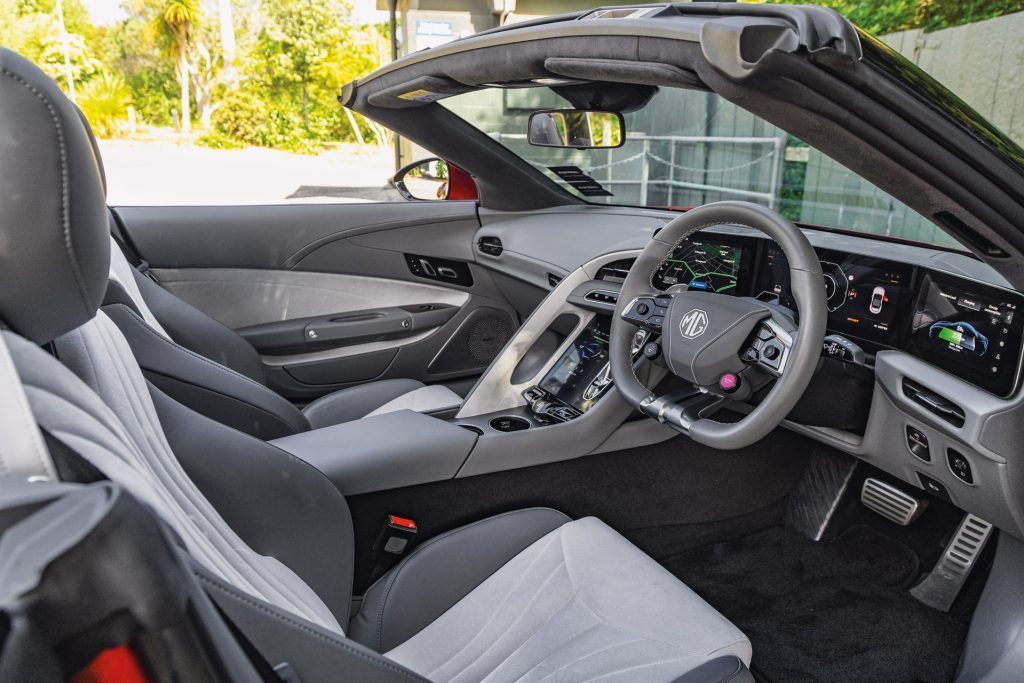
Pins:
<point x="694" y="323"/>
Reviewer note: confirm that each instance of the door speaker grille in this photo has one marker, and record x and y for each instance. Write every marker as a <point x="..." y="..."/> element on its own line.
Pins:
<point x="890" y="502"/>
<point x="479" y="339"/>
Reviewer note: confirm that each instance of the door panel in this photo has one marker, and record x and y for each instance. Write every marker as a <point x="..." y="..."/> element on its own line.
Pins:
<point x="280" y="236"/>
<point x="240" y="297"/>
<point x="350" y="274"/>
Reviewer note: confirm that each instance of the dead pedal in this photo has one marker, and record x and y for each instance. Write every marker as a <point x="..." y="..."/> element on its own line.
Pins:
<point x="940" y="588"/>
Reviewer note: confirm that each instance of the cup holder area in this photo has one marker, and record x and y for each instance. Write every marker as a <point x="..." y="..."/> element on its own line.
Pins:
<point x="509" y="423"/>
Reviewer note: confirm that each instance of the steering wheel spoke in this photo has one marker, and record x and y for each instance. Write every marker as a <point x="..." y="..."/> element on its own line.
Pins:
<point x="648" y="311"/>
<point x="683" y="407"/>
<point x="770" y="347"/>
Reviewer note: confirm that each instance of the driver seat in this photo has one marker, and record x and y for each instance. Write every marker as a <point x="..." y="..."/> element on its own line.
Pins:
<point x="528" y="594"/>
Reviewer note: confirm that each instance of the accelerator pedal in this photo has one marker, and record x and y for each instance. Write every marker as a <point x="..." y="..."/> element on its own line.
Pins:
<point x="940" y="588"/>
<point x="890" y="502"/>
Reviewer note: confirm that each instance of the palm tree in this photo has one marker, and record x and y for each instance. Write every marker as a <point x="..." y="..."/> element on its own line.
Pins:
<point x="179" y="18"/>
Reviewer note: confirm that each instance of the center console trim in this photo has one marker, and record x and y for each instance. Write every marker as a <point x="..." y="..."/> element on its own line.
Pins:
<point x="495" y="391"/>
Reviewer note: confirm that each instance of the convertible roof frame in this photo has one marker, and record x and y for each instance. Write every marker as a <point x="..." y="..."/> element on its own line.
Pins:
<point x="805" y="69"/>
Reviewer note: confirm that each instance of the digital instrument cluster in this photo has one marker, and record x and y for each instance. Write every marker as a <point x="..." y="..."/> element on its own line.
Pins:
<point x="970" y="329"/>
<point x="866" y="296"/>
<point x="704" y="264"/>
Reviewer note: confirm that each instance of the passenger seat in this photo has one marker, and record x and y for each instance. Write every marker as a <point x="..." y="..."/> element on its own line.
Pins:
<point x="210" y="368"/>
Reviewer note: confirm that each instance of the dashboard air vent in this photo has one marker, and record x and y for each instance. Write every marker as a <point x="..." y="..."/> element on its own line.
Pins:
<point x="553" y="280"/>
<point x="490" y="245"/>
<point x="616" y="271"/>
<point x="933" y="403"/>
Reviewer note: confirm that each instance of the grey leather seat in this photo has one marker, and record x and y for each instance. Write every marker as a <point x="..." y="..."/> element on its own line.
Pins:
<point x="528" y="595"/>
<point x="210" y="368"/>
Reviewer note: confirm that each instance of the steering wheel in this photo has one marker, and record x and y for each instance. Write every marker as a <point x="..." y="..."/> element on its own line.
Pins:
<point x="727" y="347"/>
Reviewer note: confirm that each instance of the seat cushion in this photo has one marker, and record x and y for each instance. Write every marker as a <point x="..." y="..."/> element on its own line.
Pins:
<point x="442" y="571"/>
<point x="580" y="603"/>
<point x="376" y="398"/>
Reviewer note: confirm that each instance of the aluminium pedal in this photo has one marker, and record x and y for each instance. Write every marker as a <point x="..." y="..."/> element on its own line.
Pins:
<point x="890" y="502"/>
<point x="940" y="588"/>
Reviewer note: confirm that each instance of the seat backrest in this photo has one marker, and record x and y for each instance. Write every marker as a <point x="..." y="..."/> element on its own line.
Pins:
<point x="54" y="270"/>
<point x="193" y="358"/>
<point x="122" y="273"/>
<point x="193" y="329"/>
<point x="116" y="429"/>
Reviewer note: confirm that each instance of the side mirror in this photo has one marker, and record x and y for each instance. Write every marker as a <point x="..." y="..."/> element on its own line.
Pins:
<point x="577" y="129"/>
<point x="434" y="179"/>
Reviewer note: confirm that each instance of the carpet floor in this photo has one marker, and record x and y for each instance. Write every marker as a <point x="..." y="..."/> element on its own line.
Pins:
<point x="836" y="611"/>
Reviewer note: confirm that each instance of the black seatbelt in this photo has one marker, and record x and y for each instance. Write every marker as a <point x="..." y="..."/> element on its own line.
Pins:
<point x="120" y="235"/>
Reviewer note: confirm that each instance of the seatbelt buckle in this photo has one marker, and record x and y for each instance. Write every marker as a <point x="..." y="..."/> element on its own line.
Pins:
<point x="396" y="535"/>
<point x="144" y="269"/>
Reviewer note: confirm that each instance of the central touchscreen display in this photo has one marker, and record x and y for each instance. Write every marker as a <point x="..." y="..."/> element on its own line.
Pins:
<point x="574" y="372"/>
<point x="974" y="332"/>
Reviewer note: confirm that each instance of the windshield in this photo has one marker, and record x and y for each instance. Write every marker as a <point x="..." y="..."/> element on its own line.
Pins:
<point x="686" y="148"/>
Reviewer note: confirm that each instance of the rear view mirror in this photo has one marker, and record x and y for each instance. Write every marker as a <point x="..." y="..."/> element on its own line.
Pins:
<point x="577" y="129"/>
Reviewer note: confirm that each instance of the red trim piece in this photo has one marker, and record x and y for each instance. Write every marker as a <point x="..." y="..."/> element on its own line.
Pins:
<point x="461" y="185"/>
<point x="402" y="522"/>
<point x="113" y="665"/>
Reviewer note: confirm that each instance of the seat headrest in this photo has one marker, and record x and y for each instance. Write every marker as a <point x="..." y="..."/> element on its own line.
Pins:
<point x="54" y="235"/>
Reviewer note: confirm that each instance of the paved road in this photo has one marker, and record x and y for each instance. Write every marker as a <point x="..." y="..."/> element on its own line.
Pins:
<point x="164" y="173"/>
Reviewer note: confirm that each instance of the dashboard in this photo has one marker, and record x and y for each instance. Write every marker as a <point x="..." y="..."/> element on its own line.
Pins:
<point x="970" y="329"/>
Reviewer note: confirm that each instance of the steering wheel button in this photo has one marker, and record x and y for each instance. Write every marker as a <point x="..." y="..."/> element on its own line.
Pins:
<point x="656" y="320"/>
<point x="764" y="333"/>
<point x="771" y="351"/>
<point x="729" y="382"/>
<point x="642" y="308"/>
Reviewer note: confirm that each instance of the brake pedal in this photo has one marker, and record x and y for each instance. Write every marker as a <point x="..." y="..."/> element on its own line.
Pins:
<point x="940" y="588"/>
<point x="890" y="502"/>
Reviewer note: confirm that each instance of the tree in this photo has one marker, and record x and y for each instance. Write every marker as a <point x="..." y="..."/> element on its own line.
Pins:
<point x="298" y="39"/>
<point x="180" y="18"/>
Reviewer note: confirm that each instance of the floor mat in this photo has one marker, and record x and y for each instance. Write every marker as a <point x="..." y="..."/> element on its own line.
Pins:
<point x="826" y="612"/>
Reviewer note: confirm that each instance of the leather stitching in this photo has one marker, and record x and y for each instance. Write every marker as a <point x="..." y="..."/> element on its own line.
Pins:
<point x="62" y="147"/>
<point x="238" y="595"/>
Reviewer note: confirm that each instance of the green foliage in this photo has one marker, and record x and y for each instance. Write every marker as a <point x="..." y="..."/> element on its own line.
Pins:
<point x="105" y="100"/>
<point x="888" y="16"/>
<point x="277" y="88"/>
<point x="217" y="140"/>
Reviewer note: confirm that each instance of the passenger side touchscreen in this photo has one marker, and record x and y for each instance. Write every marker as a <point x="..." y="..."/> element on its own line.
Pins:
<point x="971" y="330"/>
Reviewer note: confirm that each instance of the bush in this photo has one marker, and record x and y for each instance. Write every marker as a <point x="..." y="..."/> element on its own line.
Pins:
<point x="250" y="119"/>
<point x="216" y="140"/>
<point x="105" y="100"/>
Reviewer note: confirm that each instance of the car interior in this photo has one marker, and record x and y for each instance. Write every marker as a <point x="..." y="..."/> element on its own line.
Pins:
<point x="518" y="426"/>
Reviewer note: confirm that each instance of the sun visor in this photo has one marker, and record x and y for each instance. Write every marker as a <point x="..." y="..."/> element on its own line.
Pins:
<point x="417" y="92"/>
